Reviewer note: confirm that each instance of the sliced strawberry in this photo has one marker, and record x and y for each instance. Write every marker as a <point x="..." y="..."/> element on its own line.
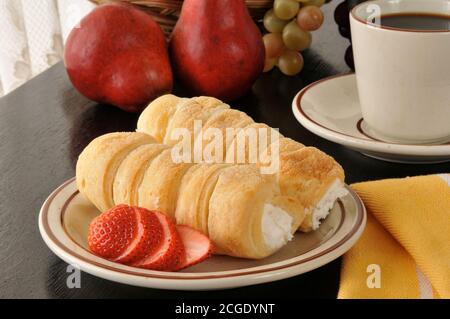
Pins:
<point x="148" y="240"/>
<point x="111" y="233"/>
<point x="198" y="247"/>
<point x="170" y="254"/>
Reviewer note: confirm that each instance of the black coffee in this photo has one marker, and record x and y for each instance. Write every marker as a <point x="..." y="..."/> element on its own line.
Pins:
<point x="416" y="21"/>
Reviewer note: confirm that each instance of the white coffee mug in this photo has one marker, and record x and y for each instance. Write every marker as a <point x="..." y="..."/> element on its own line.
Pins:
<point x="403" y="75"/>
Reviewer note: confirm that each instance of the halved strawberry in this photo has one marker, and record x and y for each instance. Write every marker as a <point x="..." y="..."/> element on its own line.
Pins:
<point x="149" y="238"/>
<point x="198" y="247"/>
<point x="111" y="233"/>
<point x="170" y="254"/>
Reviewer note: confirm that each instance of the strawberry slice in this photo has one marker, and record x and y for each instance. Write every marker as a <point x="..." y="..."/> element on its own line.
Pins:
<point x="111" y="233"/>
<point x="170" y="254"/>
<point x="148" y="239"/>
<point x="198" y="247"/>
<point x="138" y="237"/>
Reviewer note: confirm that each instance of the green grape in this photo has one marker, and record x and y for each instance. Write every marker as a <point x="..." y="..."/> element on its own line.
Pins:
<point x="317" y="3"/>
<point x="286" y="9"/>
<point x="295" y="38"/>
<point x="272" y="23"/>
<point x="290" y="62"/>
<point x="310" y="18"/>
<point x="273" y="42"/>
<point x="269" y="64"/>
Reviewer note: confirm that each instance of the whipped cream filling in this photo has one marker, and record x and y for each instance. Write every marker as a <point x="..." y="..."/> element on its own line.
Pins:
<point x="276" y="226"/>
<point x="324" y="206"/>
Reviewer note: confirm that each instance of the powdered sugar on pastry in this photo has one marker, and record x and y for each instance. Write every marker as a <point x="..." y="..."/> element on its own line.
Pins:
<point x="276" y="226"/>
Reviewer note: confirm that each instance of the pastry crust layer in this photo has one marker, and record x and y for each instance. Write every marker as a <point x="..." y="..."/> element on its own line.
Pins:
<point x="98" y="163"/>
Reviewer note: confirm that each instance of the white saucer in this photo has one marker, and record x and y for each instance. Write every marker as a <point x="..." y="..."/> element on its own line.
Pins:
<point x="65" y="216"/>
<point x="330" y="108"/>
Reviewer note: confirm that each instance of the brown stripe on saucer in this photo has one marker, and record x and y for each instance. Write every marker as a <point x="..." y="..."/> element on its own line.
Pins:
<point x="358" y="124"/>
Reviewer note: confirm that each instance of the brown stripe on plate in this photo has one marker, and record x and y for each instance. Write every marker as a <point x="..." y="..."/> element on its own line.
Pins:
<point x="71" y="197"/>
<point x="172" y="276"/>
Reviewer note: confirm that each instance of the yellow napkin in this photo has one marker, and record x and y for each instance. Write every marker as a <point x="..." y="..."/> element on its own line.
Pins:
<point x="404" y="251"/>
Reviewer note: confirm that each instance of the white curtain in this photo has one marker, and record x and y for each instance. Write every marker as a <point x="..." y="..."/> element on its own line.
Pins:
<point x="32" y="36"/>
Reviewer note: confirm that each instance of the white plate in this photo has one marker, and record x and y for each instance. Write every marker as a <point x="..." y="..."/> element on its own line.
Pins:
<point x="330" y="108"/>
<point x="66" y="214"/>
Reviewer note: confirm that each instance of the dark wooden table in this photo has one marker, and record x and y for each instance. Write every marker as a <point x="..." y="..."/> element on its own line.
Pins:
<point x="45" y="124"/>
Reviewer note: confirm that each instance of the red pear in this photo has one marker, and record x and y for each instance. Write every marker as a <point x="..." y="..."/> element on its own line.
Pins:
<point x="216" y="48"/>
<point x="118" y="55"/>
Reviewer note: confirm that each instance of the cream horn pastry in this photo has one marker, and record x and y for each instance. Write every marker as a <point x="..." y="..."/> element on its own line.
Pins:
<point x="240" y="209"/>
<point x="305" y="173"/>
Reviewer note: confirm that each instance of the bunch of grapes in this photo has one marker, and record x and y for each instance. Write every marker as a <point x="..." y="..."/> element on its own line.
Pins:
<point x="341" y="16"/>
<point x="289" y="24"/>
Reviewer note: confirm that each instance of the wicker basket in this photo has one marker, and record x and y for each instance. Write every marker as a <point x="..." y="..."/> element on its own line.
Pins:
<point x="166" y="12"/>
